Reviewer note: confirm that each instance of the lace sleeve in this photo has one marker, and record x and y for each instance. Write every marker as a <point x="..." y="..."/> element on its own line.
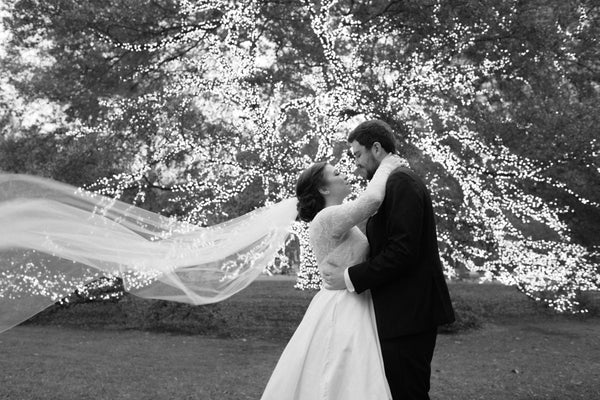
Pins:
<point x="340" y="219"/>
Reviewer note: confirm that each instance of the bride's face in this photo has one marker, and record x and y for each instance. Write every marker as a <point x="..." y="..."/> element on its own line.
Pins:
<point x="336" y="185"/>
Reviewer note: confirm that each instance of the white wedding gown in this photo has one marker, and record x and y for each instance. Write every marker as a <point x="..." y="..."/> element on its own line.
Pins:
<point x="335" y="353"/>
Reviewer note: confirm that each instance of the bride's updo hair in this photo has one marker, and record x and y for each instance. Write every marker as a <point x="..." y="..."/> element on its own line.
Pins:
<point x="310" y="200"/>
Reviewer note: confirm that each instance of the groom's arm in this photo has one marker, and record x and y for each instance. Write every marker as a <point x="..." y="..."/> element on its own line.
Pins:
<point x="404" y="210"/>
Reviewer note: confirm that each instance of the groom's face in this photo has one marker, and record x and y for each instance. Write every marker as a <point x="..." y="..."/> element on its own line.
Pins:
<point x="364" y="159"/>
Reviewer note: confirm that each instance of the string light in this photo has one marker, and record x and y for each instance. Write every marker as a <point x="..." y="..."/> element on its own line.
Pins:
<point x="489" y="232"/>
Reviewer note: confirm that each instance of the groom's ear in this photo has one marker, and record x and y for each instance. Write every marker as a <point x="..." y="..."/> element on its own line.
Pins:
<point x="378" y="151"/>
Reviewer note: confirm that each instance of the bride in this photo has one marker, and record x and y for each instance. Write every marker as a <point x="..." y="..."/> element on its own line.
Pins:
<point x="334" y="353"/>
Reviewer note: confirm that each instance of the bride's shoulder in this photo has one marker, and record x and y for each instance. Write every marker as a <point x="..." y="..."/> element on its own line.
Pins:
<point x="324" y="216"/>
<point x="328" y="212"/>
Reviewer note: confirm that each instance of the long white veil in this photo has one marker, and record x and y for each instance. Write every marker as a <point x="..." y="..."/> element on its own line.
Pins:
<point x="55" y="238"/>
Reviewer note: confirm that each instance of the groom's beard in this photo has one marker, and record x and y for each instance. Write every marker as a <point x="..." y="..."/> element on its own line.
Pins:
<point x="362" y="173"/>
<point x="370" y="171"/>
<point x="369" y="168"/>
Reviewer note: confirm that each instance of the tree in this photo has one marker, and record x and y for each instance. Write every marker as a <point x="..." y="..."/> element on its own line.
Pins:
<point x="206" y="100"/>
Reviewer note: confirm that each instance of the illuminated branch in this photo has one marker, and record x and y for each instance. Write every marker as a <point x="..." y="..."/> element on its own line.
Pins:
<point x="427" y="90"/>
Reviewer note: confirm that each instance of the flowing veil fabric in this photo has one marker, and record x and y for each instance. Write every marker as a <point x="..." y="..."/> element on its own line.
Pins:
<point x="55" y="238"/>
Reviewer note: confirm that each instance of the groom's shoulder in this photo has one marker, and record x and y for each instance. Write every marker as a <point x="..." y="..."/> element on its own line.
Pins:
<point x="403" y="173"/>
<point x="402" y="176"/>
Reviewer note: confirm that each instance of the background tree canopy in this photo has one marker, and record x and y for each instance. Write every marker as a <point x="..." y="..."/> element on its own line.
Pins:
<point x="208" y="109"/>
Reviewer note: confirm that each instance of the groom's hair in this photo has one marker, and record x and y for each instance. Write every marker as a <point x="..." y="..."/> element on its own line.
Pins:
<point x="371" y="131"/>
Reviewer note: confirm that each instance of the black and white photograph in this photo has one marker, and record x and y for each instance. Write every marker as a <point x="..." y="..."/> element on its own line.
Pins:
<point x="300" y="200"/>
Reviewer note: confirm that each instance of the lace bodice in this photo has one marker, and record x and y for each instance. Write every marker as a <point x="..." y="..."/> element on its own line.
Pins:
<point x="336" y="240"/>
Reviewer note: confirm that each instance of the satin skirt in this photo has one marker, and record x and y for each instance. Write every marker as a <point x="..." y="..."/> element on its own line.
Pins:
<point x="334" y="353"/>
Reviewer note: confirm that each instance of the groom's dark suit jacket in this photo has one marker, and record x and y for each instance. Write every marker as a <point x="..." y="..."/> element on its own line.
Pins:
<point x="404" y="271"/>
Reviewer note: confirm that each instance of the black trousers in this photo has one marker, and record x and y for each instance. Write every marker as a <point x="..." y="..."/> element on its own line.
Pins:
<point x="407" y="361"/>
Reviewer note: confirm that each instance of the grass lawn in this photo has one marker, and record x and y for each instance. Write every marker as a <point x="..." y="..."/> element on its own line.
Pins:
<point x="520" y="352"/>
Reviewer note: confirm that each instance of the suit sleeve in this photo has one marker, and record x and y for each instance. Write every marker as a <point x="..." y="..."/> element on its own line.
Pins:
<point x="398" y="258"/>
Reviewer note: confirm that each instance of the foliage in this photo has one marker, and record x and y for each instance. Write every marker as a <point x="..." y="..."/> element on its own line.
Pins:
<point x="309" y="277"/>
<point x="200" y="103"/>
<point x="101" y="290"/>
<point x="466" y="318"/>
<point x="272" y="308"/>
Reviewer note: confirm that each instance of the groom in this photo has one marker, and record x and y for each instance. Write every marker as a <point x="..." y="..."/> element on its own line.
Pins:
<point x="403" y="271"/>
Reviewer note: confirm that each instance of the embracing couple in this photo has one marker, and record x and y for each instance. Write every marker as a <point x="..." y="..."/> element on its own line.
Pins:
<point x="370" y="333"/>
